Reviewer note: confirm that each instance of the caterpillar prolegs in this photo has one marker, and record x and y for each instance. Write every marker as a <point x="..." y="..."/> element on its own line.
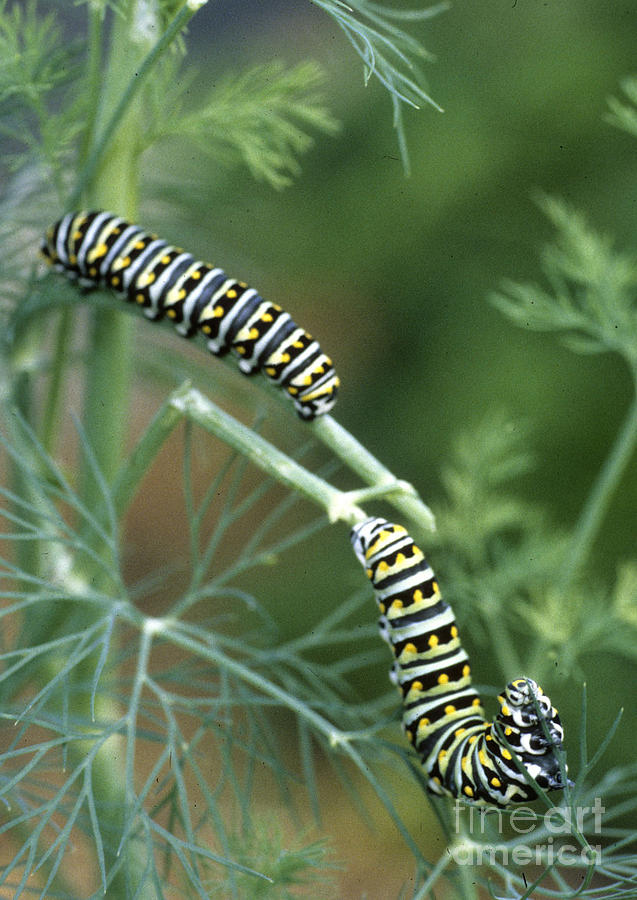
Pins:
<point x="463" y="754"/>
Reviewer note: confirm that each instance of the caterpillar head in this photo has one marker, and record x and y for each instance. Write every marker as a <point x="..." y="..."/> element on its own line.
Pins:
<point x="531" y="725"/>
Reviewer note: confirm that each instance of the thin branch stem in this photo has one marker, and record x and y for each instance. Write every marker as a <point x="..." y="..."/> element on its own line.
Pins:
<point x="400" y="494"/>
<point x="55" y="387"/>
<point x="599" y="499"/>
<point x="339" y="505"/>
<point x="199" y="409"/>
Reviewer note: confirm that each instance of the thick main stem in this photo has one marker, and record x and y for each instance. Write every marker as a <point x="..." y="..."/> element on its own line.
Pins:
<point x="599" y="499"/>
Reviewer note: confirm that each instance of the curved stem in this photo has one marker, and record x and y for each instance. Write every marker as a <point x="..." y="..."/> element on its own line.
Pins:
<point x="400" y="494"/>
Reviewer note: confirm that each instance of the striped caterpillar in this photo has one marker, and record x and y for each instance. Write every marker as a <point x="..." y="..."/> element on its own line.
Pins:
<point x="99" y="249"/>
<point x="463" y="754"/>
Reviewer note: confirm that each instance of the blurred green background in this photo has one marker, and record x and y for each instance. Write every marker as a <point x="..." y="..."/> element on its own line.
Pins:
<point x="392" y="272"/>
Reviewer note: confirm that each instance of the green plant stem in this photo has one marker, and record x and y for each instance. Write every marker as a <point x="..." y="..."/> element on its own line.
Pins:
<point x="399" y="493"/>
<point x="125" y="103"/>
<point x="199" y="409"/>
<point x="190" y="638"/>
<point x="504" y="649"/>
<point x="599" y="499"/>
<point x="444" y="861"/>
<point x="138" y="462"/>
<point x="93" y="80"/>
<point x="53" y="401"/>
<point x="110" y="180"/>
<point x="188" y="402"/>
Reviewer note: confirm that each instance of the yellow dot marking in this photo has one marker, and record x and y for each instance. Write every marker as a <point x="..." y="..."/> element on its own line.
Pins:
<point x="476" y="702"/>
<point x="397" y="604"/>
<point x="450" y="709"/>
<point x="417" y="595"/>
<point x="443" y="678"/>
<point x="410" y="648"/>
<point x="442" y="755"/>
<point x="171" y="314"/>
<point x="417" y="686"/>
<point x="231" y="294"/>
<point x="468" y="791"/>
<point x="495" y="782"/>
<point x="433" y="640"/>
<point x="217" y="312"/>
<point x="454" y="631"/>
<point x="506" y="754"/>
<point x="466" y="670"/>
<point x="139" y="298"/>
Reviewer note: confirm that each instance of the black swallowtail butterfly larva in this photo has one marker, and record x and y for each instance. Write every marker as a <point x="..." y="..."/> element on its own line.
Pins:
<point x="100" y="249"/>
<point x="464" y="755"/>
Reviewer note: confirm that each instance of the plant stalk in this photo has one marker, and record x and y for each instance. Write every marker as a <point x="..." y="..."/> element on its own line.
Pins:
<point x="599" y="499"/>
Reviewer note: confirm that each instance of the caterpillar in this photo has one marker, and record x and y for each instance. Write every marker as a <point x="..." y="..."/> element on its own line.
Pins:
<point x="99" y="249"/>
<point x="463" y="754"/>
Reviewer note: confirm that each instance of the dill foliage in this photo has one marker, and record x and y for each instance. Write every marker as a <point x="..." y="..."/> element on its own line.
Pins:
<point x="161" y="724"/>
